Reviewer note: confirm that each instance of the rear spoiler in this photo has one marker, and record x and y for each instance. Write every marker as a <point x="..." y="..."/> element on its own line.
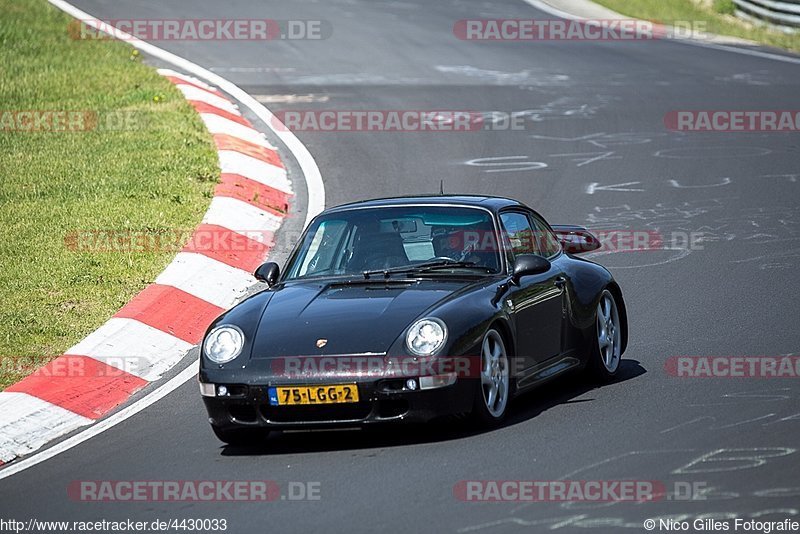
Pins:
<point x="576" y="239"/>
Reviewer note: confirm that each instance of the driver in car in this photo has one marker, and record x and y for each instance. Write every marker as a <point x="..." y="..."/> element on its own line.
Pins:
<point x="475" y="245"/>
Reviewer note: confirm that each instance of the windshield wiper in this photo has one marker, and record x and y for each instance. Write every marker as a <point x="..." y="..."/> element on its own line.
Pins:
<point x="386" y="272"/>
<point x="455" y="264"/>
<point x="427" y="267"/>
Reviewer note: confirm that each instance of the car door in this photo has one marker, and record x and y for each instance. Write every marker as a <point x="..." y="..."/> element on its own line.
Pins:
<point x="536" y="303"/>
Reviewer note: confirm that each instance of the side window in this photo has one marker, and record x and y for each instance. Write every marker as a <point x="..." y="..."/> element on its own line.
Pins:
<point x="546" y="241"/>
<point x="517" y="230"/>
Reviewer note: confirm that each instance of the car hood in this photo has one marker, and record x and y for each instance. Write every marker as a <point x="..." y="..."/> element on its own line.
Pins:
<point x="352" y="319"/>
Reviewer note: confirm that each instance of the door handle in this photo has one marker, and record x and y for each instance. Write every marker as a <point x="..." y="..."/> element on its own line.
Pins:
<point x="560" y="282"/>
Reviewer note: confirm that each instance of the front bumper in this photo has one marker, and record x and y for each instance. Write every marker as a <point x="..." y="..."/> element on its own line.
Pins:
<point x="380" y="401"/>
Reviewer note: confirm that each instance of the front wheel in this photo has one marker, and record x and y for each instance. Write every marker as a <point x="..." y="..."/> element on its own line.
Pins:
<point x="241" y="436"/>
<point x="491" y="397"/>
<point x="607" y="346"/>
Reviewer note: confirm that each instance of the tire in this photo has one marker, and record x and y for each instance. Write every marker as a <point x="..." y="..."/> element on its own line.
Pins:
<point x="241" y="436"/>
<point x="493" y="391"/>
<point x="606" y="346"/>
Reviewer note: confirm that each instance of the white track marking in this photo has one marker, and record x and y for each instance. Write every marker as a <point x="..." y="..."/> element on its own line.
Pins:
<point x="593" y="187"/>
<point x="241" y="217"/>
<point x="547" y="8"/>
<point x="677" y="184"/>
<point x="133" y="347"/>
<point x="206" y="278"/>
<point x="199" y="95"/>
<point x="29" y="422"/>
<point x="220" y="125"/>
<point x="103" y="425"/>
<point x="255" y="169"/>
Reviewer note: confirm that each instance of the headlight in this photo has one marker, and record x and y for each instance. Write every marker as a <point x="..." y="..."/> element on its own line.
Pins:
<point x="426" y="336"/>
<point x="223" y="344"/>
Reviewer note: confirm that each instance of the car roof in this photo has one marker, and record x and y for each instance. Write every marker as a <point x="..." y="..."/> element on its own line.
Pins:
<point x="484" y="201"/>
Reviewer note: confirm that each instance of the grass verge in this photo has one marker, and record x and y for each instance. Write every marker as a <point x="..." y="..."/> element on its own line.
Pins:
<point x="138" y="158"/>
<point x="717" y="15"/>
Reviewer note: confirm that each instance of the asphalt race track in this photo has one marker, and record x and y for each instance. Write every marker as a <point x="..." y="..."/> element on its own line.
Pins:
<point x="594" y="150"/>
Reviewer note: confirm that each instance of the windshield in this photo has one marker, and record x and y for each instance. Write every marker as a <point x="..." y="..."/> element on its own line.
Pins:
<point x="364" y="240"/>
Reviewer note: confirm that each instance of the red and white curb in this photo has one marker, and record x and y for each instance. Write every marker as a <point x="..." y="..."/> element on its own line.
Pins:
<point x="159" y="326"/>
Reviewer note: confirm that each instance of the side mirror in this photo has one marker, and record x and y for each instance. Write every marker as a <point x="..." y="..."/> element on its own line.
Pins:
<point x="529" y="264"/>
<point x="576" y="239"/>
<point x="268" y="272"/>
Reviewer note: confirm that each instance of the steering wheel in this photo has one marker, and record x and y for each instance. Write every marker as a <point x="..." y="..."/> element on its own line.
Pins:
<point x="375" y="262"/>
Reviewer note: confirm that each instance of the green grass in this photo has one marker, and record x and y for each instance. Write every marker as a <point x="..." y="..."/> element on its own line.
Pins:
<point x="155" y="176"/>
<point x="718" y="16"/>
<point x="724" y="7"/>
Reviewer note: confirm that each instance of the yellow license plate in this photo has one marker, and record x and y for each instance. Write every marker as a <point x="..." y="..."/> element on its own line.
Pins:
<point x="337" y="394"/>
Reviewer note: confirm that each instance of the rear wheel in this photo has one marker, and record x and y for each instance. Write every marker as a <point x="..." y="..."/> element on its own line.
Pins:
<point x="492" y="395"/>
<point x="241" y="436"/>
<point x="607" y="346"/>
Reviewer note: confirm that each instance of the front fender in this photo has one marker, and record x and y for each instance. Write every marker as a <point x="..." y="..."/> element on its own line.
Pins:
<point x="246" y="315"/>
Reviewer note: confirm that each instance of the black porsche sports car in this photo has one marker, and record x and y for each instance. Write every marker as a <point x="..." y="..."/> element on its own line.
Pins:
<point x="410" y="308"/>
